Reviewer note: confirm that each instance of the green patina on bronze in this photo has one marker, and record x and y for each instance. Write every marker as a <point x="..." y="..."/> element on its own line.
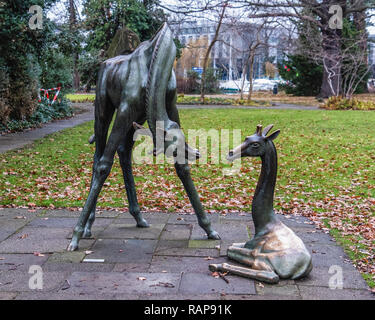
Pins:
<point x="275" y="251"/>
<point x="140" y="86"/>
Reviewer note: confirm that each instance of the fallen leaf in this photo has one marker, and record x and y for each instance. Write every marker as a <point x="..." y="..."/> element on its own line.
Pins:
<point x="38" y="254"/>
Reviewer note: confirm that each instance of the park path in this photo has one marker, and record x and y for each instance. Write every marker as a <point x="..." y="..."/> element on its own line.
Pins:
<point x="18" y="140"/>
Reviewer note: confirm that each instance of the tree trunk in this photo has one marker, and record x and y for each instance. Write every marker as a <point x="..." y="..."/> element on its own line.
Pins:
<point x="332" y="63"/>
<point x="251" y="75"/>
<point x="75" y="56"/>
<point x="243" y="78"/>
<point x="207" y="55"/>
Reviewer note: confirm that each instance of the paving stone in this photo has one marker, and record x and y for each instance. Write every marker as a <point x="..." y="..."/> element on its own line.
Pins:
<point x="180" y="248"/>
<point x="63" y="295"/>
<point x="159" y="217"/>
<point x="296" y="222"/>
<point x="5" y="234"/>
<point x="182" y="264"/>
<point x="131" y="267"/>
<point x="328" y="255"/>
<point x="70" y="257"/>
<point x="12" y="223"/>
<point x="198" y="283"/>
<point x="19" y="281"/>
<point x="264" y="289"/>
<point x="52" y="222"/>
<point x="324" y="293"/>
<point x="183" y="219"/>
<point x="128" y="219"/>
<point x="30" y="240"/>
<point x="123" y="283"/>
<point x="313" y="236"/>
<point x="170" y="244"/>
<point x="208" y="244"/>
<point x="235" y="231"/>
<point x="320" y="276"/>
<point x="194" y="297"/>
<point x="176" y="232"/>
<point x="8" y="295"/>
<point x="20" y="262"/>
<point x="78" y="267"/>
<point x="29" y="214"/>
<point x="61" y="213"/>
<point x="237" y="216"/>
<point x="124" y="251"/>
<point x="120" y="230"/>
<point x="224" y="247"/>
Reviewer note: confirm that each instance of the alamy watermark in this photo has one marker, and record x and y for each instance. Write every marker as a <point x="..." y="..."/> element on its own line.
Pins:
<point x="36" y="20"/>
<point x="36" y="280"/>
<point x="336" y="281"/>
<point x="336" y="20"/>
<point x="214" y="147"/>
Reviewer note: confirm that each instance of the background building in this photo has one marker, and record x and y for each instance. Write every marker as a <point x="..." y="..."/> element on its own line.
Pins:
<point x="231" y="52"/>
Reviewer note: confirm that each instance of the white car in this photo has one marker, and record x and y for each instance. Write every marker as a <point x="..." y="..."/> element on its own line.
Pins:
<point x="263" y="84"/>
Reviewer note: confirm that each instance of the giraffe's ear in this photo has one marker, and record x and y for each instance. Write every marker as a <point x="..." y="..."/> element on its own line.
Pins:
<point x="137" y="126"/>
<point x="274" y="135"/>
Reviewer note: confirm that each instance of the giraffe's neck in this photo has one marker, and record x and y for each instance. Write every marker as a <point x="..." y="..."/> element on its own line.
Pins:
<point x="262" y="206"/>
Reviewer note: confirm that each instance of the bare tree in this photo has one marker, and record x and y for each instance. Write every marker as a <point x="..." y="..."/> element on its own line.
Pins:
<point x="209" y="49"/>
<point x="322" y="14"/>
<point x="73" y="21"/>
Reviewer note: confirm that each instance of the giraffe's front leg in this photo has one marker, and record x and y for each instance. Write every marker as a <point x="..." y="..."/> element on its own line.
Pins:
<point x="183" y="172"/>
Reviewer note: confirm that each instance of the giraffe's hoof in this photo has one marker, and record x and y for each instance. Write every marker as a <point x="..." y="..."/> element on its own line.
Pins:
<point x="73" y="246"/>
<point x="214" y="235"/>
<point x="142" y="223"/>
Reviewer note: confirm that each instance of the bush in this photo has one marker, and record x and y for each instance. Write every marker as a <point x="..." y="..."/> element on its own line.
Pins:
<point x="340" y="103"/>
<point x="181" y="99"/>
<point x="44" y="112"/>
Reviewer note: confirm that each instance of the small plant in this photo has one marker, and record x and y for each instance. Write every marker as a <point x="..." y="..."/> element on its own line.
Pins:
<point x="80" y="98"/>
<point x="340" y="103"/>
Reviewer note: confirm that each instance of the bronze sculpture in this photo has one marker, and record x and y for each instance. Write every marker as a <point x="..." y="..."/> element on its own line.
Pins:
<point x="140" y="86"/>
<point x="275" y="251"/>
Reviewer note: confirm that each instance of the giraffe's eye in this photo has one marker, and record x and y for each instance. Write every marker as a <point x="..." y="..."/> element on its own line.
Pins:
<point x="255" y="145"/>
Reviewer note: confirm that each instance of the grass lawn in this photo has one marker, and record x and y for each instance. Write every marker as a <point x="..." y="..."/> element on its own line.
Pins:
<point x="326" y="172"/>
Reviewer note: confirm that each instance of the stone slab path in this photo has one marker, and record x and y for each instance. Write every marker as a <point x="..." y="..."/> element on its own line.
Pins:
<point x="169" y="260"/>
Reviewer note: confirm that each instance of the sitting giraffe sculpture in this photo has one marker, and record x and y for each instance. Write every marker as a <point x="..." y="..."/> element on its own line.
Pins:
<point x="140" y="86"/>
<point x="275" y="251"/>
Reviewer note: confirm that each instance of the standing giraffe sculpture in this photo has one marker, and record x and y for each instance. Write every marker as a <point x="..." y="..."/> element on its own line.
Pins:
<point x="140" y="86"/>
<point x="275" y="251"/>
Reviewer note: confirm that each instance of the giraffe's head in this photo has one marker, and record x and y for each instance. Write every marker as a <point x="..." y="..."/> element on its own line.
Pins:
<point x="255" y="145"/>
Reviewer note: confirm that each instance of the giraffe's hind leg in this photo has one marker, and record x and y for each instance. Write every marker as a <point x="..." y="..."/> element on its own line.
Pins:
<point x="102" y="167"/>
<point x="125" y="154"/>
